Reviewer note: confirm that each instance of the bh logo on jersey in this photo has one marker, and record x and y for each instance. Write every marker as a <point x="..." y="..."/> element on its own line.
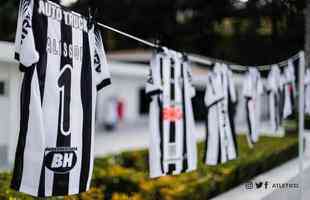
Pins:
<point x="172" y="114"/>
<point x="60" y="160"/>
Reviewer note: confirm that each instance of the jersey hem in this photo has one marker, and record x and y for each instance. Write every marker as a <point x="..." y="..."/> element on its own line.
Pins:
<point x="33" y="191"/>
<point x="103" y="84"/>
<point x="153" y="93"/>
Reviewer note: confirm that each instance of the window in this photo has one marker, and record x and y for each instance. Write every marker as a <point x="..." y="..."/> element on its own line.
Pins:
<point x="2" y="88"/>
<point x="144" y="102"/>
<point x="198" y="104"/>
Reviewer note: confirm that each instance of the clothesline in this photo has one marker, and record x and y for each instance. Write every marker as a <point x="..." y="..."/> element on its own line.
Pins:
<point x="204" y="61"/>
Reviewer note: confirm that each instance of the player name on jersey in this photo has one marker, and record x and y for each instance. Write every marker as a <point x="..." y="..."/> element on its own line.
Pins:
<point x="54" y="11"/>
<point x="56" y="47"/>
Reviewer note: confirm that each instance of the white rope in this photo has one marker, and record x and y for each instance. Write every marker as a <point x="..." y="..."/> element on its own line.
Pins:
<point x="128" y="35"/>
<point x="204" y="61"/>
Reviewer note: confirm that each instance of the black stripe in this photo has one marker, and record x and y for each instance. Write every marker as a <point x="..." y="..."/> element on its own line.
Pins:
<point x="16" y="56"/>
<point x="40" y="28"/>
<point x="86" y="93"/>
<point x="61" y="181"/>
<point x="155" y="92"/>
<point x="277" y="110"/>
<point x="172" y="84"/>
<point x="248" y="119"/>
<point x="22" y="68"/>
<point x="24" y="119"/>
<point x="215" y="102"/>
<point x="232" y="112"/>
<point x="161" y="122"/>
<point x="185" y="159"/>
<point x="207" y="135"/>
<point x="161" y="133"/>
<point x="172" y="132"/>
<point x="103" y="84"/>
<point x="161" y="69"/>
<point x="41" y="191"/>
<point x="40" y="31"/>
<point x="219" y="155"/>
<point x="171" y="168"/>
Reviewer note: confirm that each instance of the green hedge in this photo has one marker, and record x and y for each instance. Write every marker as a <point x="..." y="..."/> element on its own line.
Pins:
<point x="125" y="176"/>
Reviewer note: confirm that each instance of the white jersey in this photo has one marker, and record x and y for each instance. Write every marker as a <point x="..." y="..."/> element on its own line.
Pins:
<point x="274" y="89"/>
<point x="220" y="99"/>
<point x="307" y="92"/>
<point x="173" y="141"/>
<point x="252" y="91"/>
<point x="289" y="87"/>
<point x="64" y="65"/>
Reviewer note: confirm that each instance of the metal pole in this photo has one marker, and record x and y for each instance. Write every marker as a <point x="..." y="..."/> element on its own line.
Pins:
<point x="301" y="120"/>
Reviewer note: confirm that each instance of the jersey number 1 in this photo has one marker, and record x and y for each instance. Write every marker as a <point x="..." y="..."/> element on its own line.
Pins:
<point x="64" y="84"/>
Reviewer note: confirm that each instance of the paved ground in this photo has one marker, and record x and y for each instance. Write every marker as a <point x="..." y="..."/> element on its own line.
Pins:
<point x="286" y="173"/>
<point x="128" y="138"/>
<point x="136" y="136"/>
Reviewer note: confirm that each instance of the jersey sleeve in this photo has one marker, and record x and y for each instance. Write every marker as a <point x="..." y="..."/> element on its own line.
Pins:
<point x="25" y="50"/>
<point x="102" y="73"/>
<point x="192" y="90"/>
<point x="153" y="84"/>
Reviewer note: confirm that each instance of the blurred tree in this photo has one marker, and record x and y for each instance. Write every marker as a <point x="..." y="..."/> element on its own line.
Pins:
<point x="8" y="15"/>
<point x="258" y="31"/>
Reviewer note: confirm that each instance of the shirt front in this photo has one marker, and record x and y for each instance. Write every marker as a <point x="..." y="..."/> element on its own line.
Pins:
<point x="64" y="66"/>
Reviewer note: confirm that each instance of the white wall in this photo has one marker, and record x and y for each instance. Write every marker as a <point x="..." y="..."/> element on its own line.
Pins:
<point x="9" y="115"/>
<point x="14" y="107"/>
<point x="126" y="88"/>
<point x="4" y="105"/>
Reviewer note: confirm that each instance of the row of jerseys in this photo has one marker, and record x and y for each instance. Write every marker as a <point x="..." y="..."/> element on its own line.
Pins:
<point x="173" y="142"/>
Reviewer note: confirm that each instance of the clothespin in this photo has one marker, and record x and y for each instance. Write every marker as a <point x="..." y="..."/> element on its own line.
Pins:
<point x="159" y="48"/>
<point x="91" y="17"/>
<point x="185" y="56"/>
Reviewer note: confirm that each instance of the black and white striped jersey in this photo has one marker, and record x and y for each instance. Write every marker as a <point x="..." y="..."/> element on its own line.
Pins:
<point x="220" y="100"/>
<point x="307" y="92"/>
<point x="172" y="147"/>
<point x="275" y="91"/>
<point x="252" y="91"/>
<point x="64" y="66"/>
<point x="289" y="87"/>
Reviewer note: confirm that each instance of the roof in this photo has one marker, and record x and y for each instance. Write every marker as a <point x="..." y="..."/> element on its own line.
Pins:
<point x="125" y="63"/>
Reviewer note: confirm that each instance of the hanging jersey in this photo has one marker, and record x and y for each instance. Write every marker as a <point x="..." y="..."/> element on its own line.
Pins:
<point x="289" y="87"/>
<point x="64" y="66"/>
<point x="274" y="89"/>
<point x="173" y="142"/>
<point x="307" y="92"/>
<point x="220" y="99"/>
<point x="252" y="91"/>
